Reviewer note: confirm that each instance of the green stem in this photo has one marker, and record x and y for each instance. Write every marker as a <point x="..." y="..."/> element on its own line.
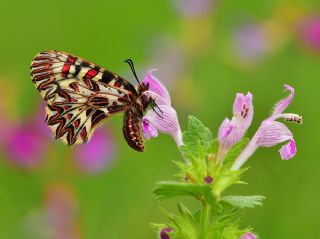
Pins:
<point x="205" y="215"/>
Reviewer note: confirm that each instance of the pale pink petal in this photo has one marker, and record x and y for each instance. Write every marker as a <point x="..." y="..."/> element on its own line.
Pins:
<point x="230" y="132"/>
<point x="156" y="86"/>
<point x="289" y="150"/>
<point x="166" y="121"/>
<point x="149" y="131"/>
<point x="284" y="103"/>
<point x="224" y="130"/>
<point x="271" y="133"/>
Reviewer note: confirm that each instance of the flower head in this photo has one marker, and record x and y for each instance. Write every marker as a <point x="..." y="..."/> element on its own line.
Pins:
<point x="310" y="33"/>
<point x="230" y="132"/>
<point x="96" y="154"/>
<point x="272" y="132"/>
<point x="163" y="118"/>
<point x="248" y="235"/>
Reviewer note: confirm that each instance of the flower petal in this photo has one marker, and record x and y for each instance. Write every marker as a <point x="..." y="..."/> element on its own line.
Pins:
<point x="148" y="129"/>
<point x="230" y="132"/>
<point x="156" y="86"/>
<point x="165" y="121"/>
<point x="243" y="110"/>
<point x="271" y="133"/>
<point x="289" y="150"/>
<point x="224" y="130"/>
<point x="284" y="103"/>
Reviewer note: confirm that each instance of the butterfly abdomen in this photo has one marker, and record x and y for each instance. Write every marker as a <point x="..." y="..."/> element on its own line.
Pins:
<point x="131" y="131"/>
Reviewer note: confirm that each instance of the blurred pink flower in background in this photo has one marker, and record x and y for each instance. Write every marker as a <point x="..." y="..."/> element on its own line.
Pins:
<point x="97" y="154"/>
<point x="310" y="32"/>
<point x="57" y="219"/>
<point x="26" y="142"/>
<point x="193" y="8"/>
<point x="250" y="42"/>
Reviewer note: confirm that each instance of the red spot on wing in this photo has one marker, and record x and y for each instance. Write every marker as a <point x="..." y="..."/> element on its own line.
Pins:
<point x="117" y="84"/>
<point x="91" y="73"/>
<point x="83" y="134"/>
<point x="66" y="107"/>
<point x="76" y="123"/>
<point x="65" y="69"/>
<point x="69" y="116"/>
<point x="71" y="59"/>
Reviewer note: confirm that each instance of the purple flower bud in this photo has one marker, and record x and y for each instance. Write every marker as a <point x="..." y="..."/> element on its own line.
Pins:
<point x="208" y="179"/>
<point x="164" y="233"/>
<point x="248" y="235"/>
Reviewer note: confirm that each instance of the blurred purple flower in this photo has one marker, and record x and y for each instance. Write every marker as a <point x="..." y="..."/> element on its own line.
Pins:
<point x="193" y="8"/>
<point x="165" y="119"/>
<point x="310" y="33"/>
<point x="248" y="235"/>
<point x="97" y="154"/>
<point x="24" y="146"/>
<point x="58" y="219"/>
<point x="230" y="132"/>
<point x="272" y="132"/>
<point x="250" y="42"/>
<point x="164" y="233"/>
<point x="26" y="143"/>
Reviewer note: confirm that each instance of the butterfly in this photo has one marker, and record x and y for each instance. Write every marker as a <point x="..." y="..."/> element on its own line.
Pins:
<point x="81" y="95"/>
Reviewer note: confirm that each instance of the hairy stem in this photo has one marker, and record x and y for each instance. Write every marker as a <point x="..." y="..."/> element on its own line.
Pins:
<point x="205" y="215"/>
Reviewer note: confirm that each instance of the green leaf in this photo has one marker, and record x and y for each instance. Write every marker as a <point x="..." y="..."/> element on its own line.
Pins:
<point x="168" y="189"/>
<point x="244" y="201"/>
<point x="197" y="134"/>
<point x="235" y="151"/>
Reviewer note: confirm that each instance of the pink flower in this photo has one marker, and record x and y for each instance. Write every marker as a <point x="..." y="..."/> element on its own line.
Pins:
<point x="230" y="132"/>
<point x="310" y="33"/>
<point x="272" y="132"/>
<point x="26" y="143"/>
<point x="248" y="235"/>
<point x="97" y="153"/>
<point x="250" y="42"/>
<point x="193" y="8"/>
<point x="162" y="118"/>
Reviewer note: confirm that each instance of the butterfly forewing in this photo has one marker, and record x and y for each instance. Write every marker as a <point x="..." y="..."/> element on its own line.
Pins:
<point x="80" y="94"/>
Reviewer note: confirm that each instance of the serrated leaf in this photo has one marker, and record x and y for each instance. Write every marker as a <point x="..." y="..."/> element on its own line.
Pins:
<point x="235" y="151"/>
<point x="168" y="189"/>
<point x="197" y="134"/>
<point x="243" y="201"/>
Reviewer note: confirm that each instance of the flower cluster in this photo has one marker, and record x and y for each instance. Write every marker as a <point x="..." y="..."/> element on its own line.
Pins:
<point x="270" y="133"/>
<point x="213" y="165"/>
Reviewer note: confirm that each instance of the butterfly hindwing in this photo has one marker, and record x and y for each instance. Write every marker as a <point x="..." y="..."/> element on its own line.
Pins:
<point x="80" y="95"/>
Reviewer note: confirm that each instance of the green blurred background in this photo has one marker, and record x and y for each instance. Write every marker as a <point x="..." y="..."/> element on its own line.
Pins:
<point x="206" y="51"/>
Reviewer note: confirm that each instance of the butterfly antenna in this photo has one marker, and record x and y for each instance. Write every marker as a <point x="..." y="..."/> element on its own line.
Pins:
<point x="153" y="104"/>
<point x="130" y="62"/>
